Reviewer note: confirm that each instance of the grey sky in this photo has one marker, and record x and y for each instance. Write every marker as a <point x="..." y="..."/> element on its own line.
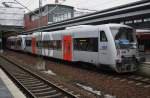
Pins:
<point x="88" y="4"/>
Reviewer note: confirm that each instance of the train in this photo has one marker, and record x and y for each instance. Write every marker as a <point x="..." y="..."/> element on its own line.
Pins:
<point x="110" y="45"/>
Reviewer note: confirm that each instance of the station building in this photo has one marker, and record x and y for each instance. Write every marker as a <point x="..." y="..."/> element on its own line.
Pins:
<point x="50" y="13"/>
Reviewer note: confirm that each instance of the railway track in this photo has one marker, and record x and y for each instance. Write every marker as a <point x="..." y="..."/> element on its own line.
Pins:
<point x="33" y="85"/>
<point x="134" y="78"/>
<point x="140" y="80"/>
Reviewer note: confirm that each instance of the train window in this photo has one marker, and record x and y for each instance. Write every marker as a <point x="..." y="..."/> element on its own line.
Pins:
<point x="19" y="42"/>
<point x="56" y="44"/>
<point x="28" y="42"/>
<point x="147" y="44"/>
<point x="86" y="44"/>
<point x="11" y="43"/>
<point x="69" y="47"/>
<point x="51" y="44"/>
<point x="59" y="44"/>
<point x="45" y="44"/>
<point x="39" y="44"/>
<point x="103" y="37"/>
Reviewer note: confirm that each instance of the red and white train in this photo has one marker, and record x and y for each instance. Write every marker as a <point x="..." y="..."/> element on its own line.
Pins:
<point x="112" y="45"/>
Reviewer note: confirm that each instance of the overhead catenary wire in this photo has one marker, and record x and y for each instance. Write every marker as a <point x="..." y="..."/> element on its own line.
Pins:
<point x="102" y="4"/>
<point x="86" y="9"/>
<point x="24" y="6"/>
<point x="108" y="3"/>
<point x="36" y="13"/>
<point x="55" y="7"/>
<point x="28" y="3"/>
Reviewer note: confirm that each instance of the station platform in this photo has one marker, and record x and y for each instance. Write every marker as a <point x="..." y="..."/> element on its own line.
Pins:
<point x="4" y="92"/>
<point x="7" y="88"/>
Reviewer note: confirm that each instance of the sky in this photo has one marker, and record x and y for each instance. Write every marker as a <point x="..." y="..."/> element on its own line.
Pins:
<point x="86" y="4"/>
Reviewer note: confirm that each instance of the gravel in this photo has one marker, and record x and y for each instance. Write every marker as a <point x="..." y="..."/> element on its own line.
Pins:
<point x="69" y="76"/>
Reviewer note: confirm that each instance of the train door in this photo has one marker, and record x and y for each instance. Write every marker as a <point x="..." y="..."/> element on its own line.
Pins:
<point x="103" y="48"/>
<point x="67" y="48"/>
<point x="33" y="45"/>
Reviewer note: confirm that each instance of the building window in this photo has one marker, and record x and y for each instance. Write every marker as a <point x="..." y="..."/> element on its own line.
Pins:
<point x="61" y="16"/>
<point x="86" y="44"/>
<point x="34" y="17"/>
<point x="146" y="19"/>
<point x="138" y="21"/>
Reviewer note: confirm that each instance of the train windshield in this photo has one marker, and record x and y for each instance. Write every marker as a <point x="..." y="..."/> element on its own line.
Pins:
<point x="124" y="37"/>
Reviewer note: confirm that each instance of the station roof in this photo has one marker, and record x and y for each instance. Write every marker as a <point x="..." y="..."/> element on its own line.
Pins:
<point x="132" y="10"/>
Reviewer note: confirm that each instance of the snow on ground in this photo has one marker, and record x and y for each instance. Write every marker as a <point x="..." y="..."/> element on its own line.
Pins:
<point x="90" y="89"/>
<point x="50" y="72"/>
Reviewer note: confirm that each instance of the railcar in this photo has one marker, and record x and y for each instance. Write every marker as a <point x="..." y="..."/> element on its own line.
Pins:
<point x="11" y="41"/>
<point x="30" y="44"/>
<point x="16" y="42"/>
<point x="112" y="45"/>
<point x="20" y="42"/>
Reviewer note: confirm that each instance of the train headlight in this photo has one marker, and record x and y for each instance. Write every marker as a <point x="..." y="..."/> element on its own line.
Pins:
<point x="134" y="46"/>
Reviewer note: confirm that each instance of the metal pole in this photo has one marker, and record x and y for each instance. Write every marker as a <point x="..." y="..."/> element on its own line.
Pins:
<point x="42" y="62"/>
<point x="40" y="16"/>
<point x="1" y="50"/>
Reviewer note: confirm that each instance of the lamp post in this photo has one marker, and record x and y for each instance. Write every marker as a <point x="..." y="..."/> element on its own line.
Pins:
<point x="40" y="17"/>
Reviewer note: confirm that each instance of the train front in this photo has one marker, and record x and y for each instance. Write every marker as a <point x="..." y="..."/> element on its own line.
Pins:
<point x="127" y="55"/>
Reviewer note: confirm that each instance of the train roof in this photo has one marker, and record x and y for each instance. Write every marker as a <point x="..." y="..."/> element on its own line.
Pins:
<point x="80" y="26"/>
<point x="115" y="25"/>
<point x="21" y="35"/>
<point x="143" y="30"/>
<point x="91" y="26"/>
<point x="12" y="37"/>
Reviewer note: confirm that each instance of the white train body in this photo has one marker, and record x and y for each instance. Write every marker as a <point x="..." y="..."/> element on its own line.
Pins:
<point x="112" y="45"/>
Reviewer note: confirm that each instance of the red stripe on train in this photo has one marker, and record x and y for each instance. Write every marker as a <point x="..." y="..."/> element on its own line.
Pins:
<point x="33" y="45"/>
<point x="67" y="48"/>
